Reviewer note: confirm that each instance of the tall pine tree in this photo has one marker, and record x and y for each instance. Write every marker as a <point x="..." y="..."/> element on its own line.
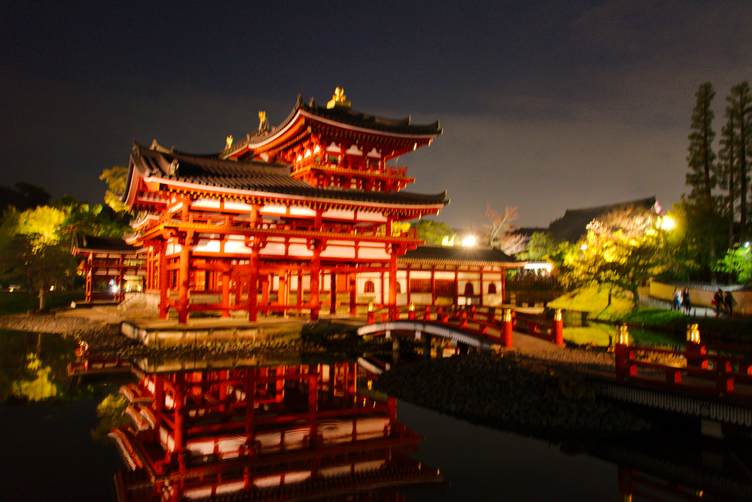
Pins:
<point x="728" y="168"/>
<point x="740" y="102"/>
<point x="702" y="176"/>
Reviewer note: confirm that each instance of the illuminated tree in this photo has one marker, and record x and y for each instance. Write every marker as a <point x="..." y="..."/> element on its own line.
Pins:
<point x="433" y="232"/>
<point x="539" y="246"/>
<point x="499" y="232"/>
<point x="116" y="179"/>
<point x="31" y="249"/>
<point x="737" y="262"/>
<point x="622" y="250"/>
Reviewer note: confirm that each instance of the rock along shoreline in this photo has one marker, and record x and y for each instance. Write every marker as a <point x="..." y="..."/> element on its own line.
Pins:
<point x="510" y="390"/>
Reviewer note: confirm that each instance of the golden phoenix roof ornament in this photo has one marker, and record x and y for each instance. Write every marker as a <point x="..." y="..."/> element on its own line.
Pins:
<point x="339" y="99"/>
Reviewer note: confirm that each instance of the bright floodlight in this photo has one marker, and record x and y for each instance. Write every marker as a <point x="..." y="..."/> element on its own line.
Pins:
<point x="468" y="241"/>
<point x="667" y="223"/>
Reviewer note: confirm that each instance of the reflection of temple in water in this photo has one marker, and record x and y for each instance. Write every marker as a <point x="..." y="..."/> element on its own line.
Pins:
<point x="270" y="433"/>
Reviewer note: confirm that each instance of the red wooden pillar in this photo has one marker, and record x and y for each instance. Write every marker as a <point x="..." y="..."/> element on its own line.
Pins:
<point x="456" y="285"/>
<point x="226" y="294"/>
<point x="408" y="285"/>
<point x="184" y="280"/>
<point x="282" y="295"/>
<point x="353" y="293"/>
<point x="299" y="299"/>
<point x="253" y="283"/>
<point x="481" y="286"/>
<point x="393" y="280"/>
<point x="333" y="296"/>
<point x="163" y="280"/>
<point x="433" y="285"/>
<point x="314" y="282"/>
<point x="265" y="294"/>
<point x="89" y="276"/>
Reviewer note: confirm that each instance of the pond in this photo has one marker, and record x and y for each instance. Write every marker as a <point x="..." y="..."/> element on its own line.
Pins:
<point x="55" y="444"/>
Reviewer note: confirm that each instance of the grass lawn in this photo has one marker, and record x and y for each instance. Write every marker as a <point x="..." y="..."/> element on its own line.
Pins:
<point x="18" y="302"/>
<point x="594" y="300"/>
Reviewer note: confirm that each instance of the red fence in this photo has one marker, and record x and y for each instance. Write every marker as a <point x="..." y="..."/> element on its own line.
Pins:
<point x="710" y="370"/>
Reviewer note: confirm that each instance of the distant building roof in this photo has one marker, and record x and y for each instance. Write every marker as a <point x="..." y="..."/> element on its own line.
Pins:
<point x="458" y="255"/>
<point x="573" y="225"/>
<point x="87" y="243"/>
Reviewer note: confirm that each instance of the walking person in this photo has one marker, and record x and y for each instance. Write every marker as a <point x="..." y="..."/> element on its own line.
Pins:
<point x="729" y="301"/>
<point x="677" y="299"/>
<point x="687" y="302"/>
<point x="718" y="301"/>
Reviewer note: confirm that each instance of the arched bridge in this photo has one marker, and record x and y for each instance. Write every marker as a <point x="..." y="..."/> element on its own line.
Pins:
<point x="471" y="327"/>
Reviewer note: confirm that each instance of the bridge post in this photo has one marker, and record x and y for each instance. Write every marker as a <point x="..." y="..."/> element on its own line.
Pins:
<point x="370" y="316"/>
<point x="427" y="313"/>
<point x="426" y="346"/>
<point x="558" y="328"/>
<point x="624" y="356"/>
<point x="696" y="352"/>
<point x="506" y="328"/>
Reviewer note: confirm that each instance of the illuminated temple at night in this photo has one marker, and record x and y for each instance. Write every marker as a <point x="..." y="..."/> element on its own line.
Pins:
<point x="290" y="217"/>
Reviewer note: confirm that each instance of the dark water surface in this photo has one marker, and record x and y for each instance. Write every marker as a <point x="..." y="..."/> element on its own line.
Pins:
<point x="48" y="450"/>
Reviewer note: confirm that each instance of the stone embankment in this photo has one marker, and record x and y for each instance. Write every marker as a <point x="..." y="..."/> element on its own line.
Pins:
<point x="515" y="390"/>
<point x="106" y="336"/>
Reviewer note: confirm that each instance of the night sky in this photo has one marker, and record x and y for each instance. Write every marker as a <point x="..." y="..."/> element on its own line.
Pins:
<point x="545" y="105"/>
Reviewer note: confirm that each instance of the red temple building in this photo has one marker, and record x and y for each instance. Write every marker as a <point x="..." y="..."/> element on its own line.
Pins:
<point x="293" y="215"/>
<point x="109" y="266"/>
<point x="295" y="210"/>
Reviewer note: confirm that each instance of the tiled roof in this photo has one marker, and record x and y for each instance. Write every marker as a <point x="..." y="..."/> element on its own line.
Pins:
<point x="344" y="116"/>
<point x="457" y="254"/>
<point x="82" y="242"/>
<point x="256" y="176"/>
<point x="573" y="225"/>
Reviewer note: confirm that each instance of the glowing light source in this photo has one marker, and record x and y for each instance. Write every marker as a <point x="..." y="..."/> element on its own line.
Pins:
<point x="468" y="241"/>
<point x="446" y="241"/>
<point x="665" y="223"/>
<point x="583" y="247"/>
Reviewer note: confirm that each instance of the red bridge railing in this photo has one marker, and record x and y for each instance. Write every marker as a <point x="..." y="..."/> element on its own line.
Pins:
<point x="489" y="323"/>
<point x="710" y="370"/>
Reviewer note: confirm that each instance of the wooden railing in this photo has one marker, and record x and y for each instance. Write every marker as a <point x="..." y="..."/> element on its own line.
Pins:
<point x="709" y="370"/>
<point x="486" y="322"/>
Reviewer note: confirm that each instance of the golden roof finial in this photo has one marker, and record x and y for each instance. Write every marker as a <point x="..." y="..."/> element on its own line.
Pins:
<point x="263" y="123"/>
<point x="339" y="99"/>
<point x="229" y="142"/>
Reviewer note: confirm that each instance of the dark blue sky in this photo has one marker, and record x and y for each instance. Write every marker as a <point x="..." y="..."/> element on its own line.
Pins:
<point x="545" y="105"/>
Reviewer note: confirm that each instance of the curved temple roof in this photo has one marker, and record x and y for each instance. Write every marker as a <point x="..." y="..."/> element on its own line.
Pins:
<point x="343" y="116"/>
<point x="211" y="172"/>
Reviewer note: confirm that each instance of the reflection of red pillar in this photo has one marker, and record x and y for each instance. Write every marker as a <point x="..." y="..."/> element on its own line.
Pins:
<point x="313" y="402"/>
<point x="178" y="435"/>
<point x="625" y="484"/>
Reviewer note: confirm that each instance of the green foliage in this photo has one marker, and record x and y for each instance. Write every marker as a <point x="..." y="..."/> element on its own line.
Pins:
<point x="540" y="246"/>
<point x="115" y="179"/>
<point x="737" y="262"/>
<point x="23" y="196"/>
<point x="433" y="232"/>
<point x="111" y="413"/>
